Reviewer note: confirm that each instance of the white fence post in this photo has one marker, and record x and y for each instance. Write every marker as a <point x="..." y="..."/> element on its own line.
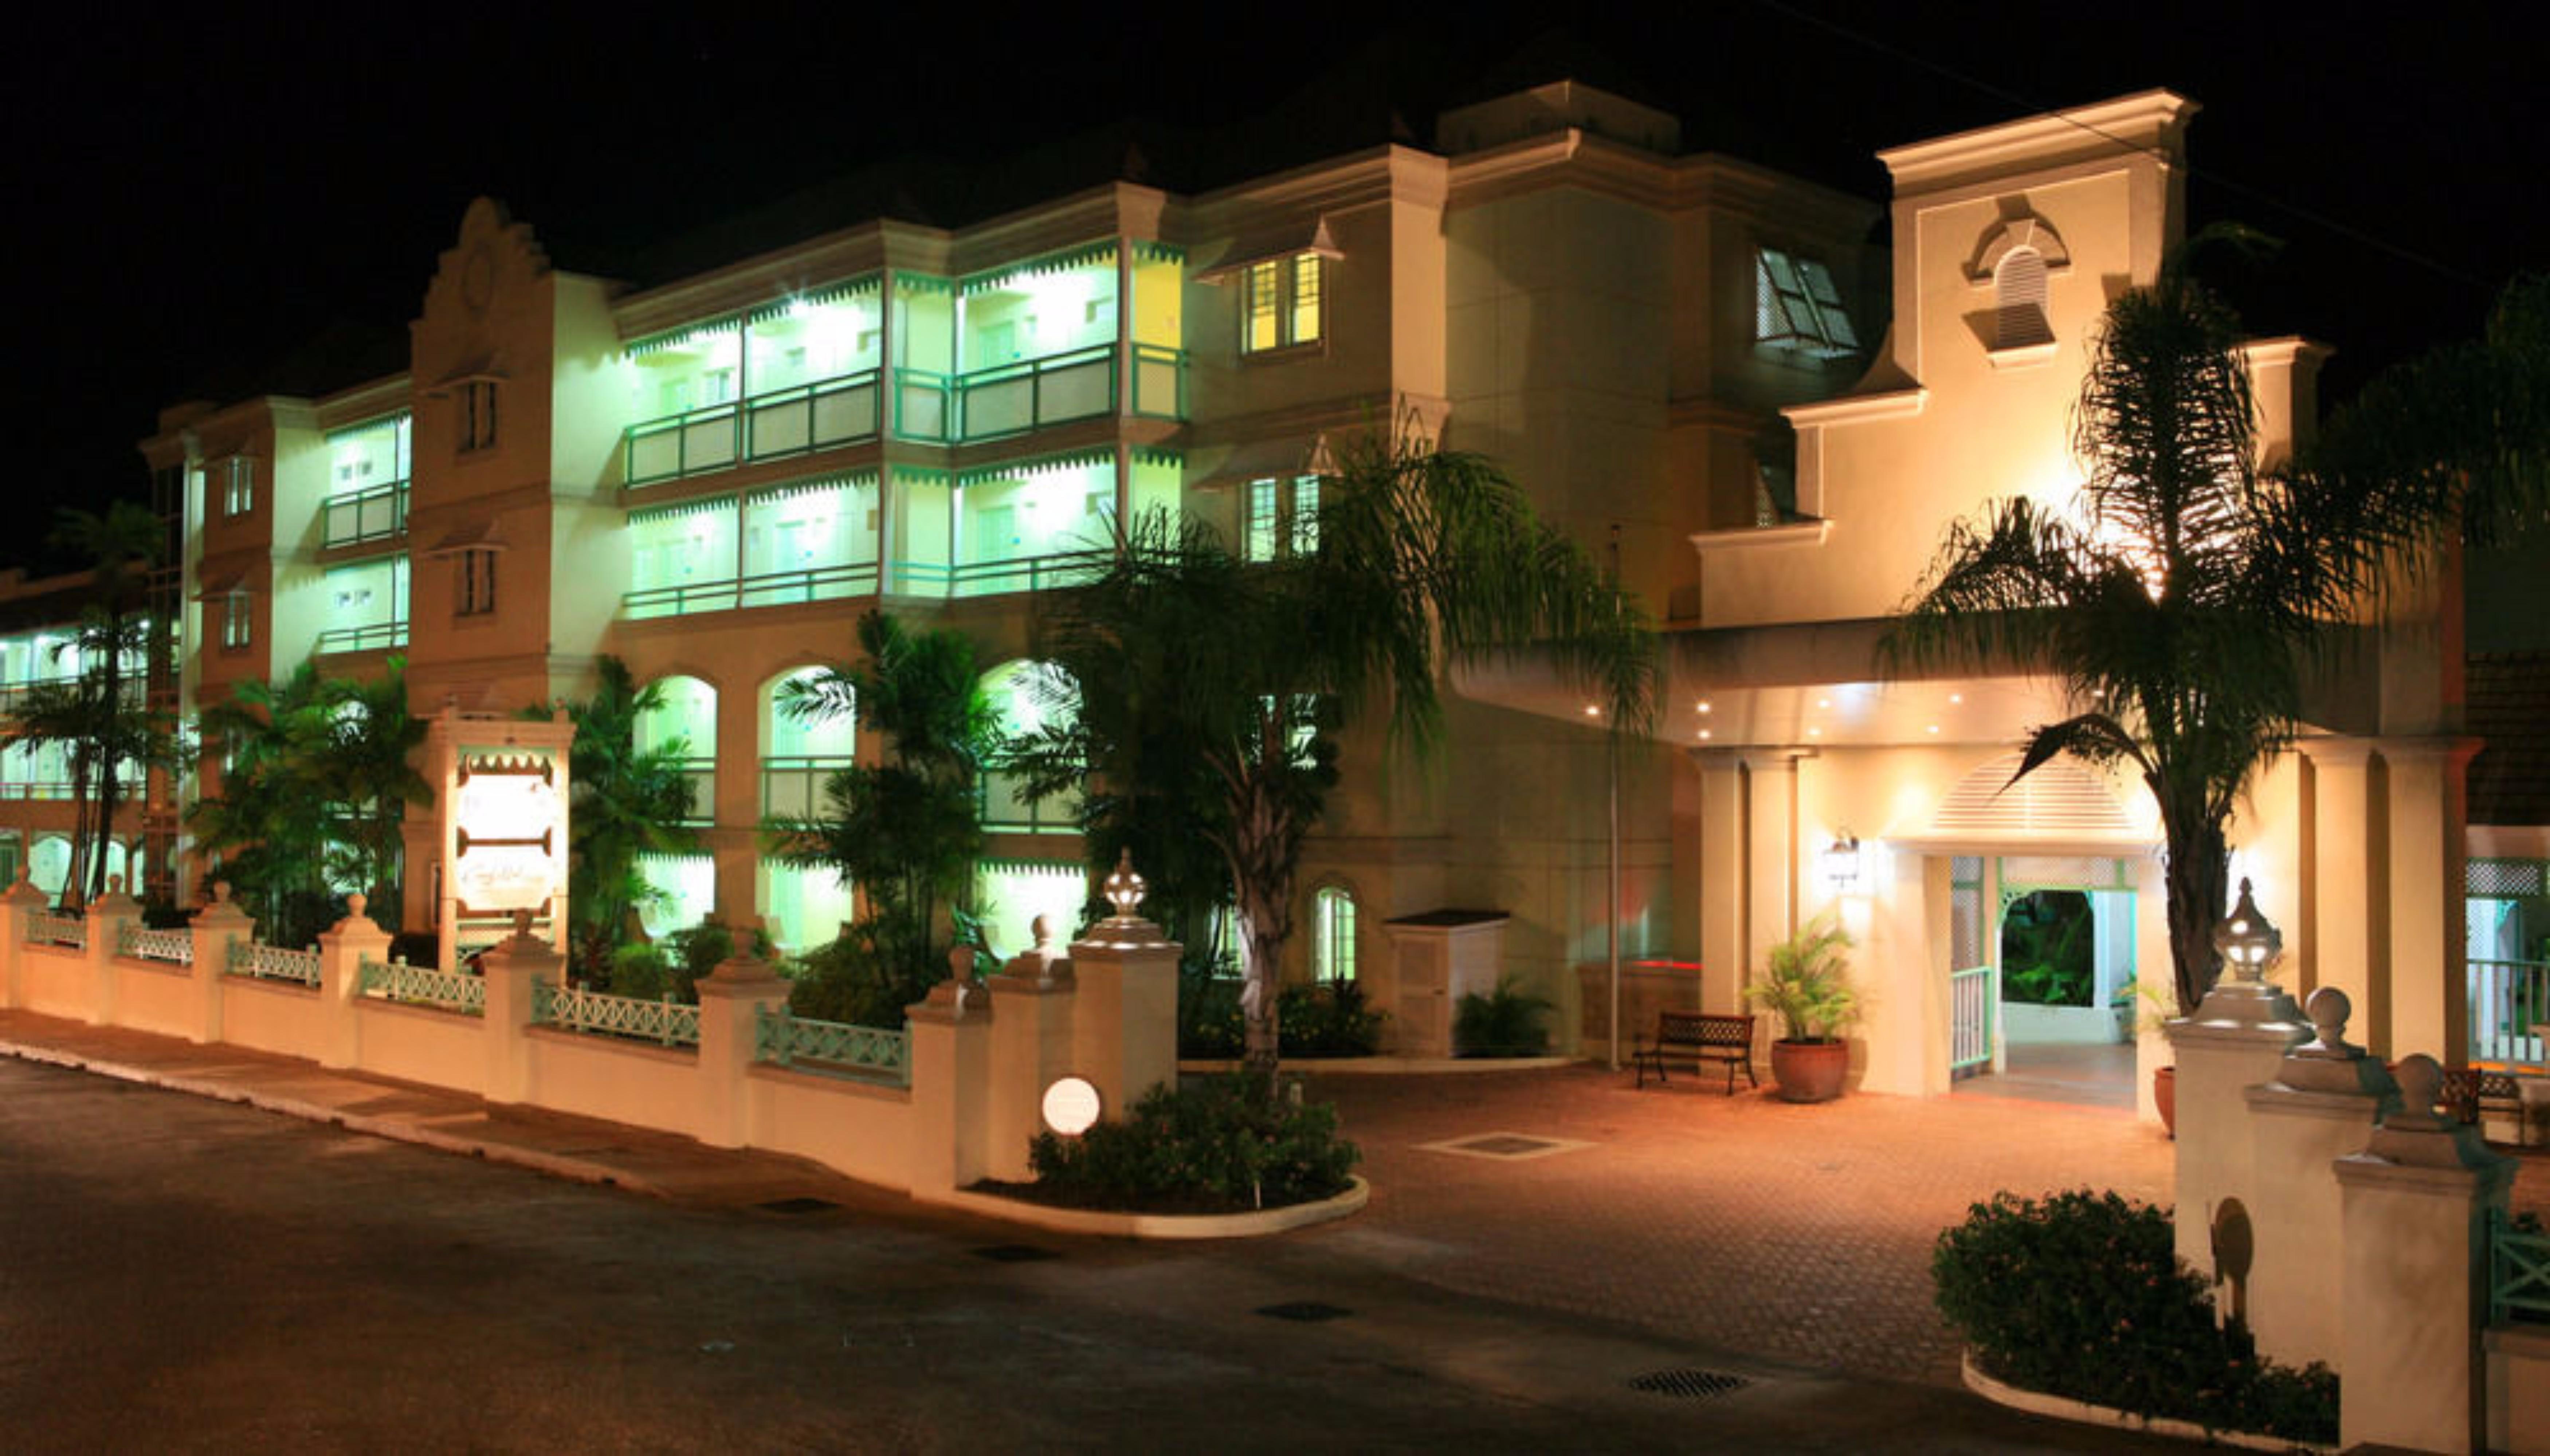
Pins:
<point x="511" y="967"/>
<point x="1031" y="1045"/>
<point x="1125" y="1025"/>
<point x="951" y="1043"/>
<point x="731" y="999"/>
<point x="215" y="927"/>
<point x="18" y="902"/>
<point x="108" y="915"/>
<point x="342" y="949"/>
<point x="2415" y="1273"/>
<point x="2322" y="1107"/>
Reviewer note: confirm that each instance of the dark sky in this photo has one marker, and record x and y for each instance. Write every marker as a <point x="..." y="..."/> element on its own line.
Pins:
<point x="202" y="198"/>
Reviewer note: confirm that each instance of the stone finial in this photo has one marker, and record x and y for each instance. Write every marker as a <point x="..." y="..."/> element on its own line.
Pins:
<point x="2329" y="1009"/>
<point x="2421" y="1083"/>
<point x="354" y="904"/>
<point x="22" y="892"/>
<point x="2246" y="941"/>
<point x="354" y="919"/>
<point x="1042" y="928"/>
<point x="115" y="884"/>
<point x="960" y="963"/>
<point x="221" y="891"/>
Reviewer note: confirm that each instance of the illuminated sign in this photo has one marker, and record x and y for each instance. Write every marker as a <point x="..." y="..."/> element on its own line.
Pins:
<point x="510" y="836"/>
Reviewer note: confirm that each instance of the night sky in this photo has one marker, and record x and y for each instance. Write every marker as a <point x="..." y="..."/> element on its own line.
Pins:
<point x="209" y="206"/>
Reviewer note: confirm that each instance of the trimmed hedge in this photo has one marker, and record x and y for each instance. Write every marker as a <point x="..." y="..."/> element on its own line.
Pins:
<point x="2083" y="1295"/>
<point x="1220" y="1146"/>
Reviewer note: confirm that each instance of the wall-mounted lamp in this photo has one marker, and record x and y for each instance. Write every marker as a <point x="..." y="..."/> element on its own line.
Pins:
<point x="1841" y="862"/>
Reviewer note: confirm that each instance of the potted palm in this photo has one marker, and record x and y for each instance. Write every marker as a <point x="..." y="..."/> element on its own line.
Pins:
<point x="1806" y="984"/>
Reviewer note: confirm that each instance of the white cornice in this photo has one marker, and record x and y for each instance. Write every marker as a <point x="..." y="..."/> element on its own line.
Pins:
<point x="1751" y="538"/>
<point x="2145" y="122"/>
<point x="1852" y="409"/>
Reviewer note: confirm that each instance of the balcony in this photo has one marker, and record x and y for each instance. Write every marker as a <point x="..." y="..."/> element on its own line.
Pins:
<point x="999" y="578"/>
<point x="792" y="785"/>
<point x="372" y="638"/>
<point x="798" y="420"/>
<point x="377" y="514"/>
<point x="778" y="588"/>
<point x="1004" y="400"/>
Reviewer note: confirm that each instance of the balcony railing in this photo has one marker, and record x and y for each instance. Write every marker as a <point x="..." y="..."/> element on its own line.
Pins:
<point x="1013" y="399"/>
<point x="792" y="786"/>
<point x="921" y="404"/>
<point x="773" y="588"/>
<point x="2507" y="999"/>
<point x="997" y="578"/>
<point x="1007" y="807"/>
<point x="1160" y="382"/>
<point x="368" y="639"/>
<point x="699" y="775"/>
<point x="365" y="516"/>
<point x="768" y="427"/>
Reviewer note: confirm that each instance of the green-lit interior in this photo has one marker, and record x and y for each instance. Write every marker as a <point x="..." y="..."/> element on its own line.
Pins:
<point x="367" y="594"/>
<point x="683" y="546"/>
<point x="1281" y="515"/>
<point x="1009" y="894"/>
<point x="686" y="891"/>
<point x="368" y="456"/>
<point x="1021" y="710"/>
<point x="1037" y="311"/>
<point x="1041" y="508"/>
<point x="791" y="735"/>
<point x="811" y="528"/>
<point x="802" y="908"/>
<point x="1333" y="935"/>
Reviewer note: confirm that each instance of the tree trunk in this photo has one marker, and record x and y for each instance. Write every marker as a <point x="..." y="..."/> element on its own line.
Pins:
<point x="2198" y="877"/>
<point x="1261" y="941"/>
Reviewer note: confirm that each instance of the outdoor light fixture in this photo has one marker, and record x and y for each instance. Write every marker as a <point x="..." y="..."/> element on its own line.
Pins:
<point x="2248" y="943"/>
<point x="1841" y="862"/>
<point x="1071" y="1106"/>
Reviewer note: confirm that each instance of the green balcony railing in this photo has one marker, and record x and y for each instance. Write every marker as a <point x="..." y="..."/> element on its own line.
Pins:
<point x="454" y="990"/>
<point x="377" y="514"/>
<point x="922" y="404"/>
<point x="773" y="588"/>
<point x="273" y="963"/>
<point x="1005" y="807"/>
<point x="796" y="420"/>
<point x="792" y="785"/>
<point x="372" y="638"/>
<point x="1013" y="399"/>
<point x="999" y="578"/>
<point x="1159" y="377"/>
<point x="786" y="1040"/>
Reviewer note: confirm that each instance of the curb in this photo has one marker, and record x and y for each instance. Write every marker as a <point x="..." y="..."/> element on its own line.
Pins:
<point x="395" y="1130"/>
<point x="1385" y="1066"/>
<point x="2082" y="1412"/>
<point x="1159" y="1225"/>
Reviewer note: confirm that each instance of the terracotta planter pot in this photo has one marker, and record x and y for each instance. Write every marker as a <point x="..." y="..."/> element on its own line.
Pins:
<point x="1810" y="1071"/>
<point x="2165" y="1096"/>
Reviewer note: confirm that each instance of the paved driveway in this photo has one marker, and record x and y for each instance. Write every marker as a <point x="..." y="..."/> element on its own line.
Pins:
<point x="1800" y="1233"/>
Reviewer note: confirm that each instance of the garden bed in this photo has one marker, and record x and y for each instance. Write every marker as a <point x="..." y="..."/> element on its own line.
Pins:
<point x="1013" y="1202"/>
<point x="2064" y="1407"/>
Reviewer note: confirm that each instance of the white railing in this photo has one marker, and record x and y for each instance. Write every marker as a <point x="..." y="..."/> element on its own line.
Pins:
<point x="1973" y="995"/>
<point x="273" y="963"/>
<point x="177" y="948"/>
<point x="424" y="986"/>
<point x="2507" y="999"/>
<point x="67" y="930"/>
<point x="780" y="1037"/>
<point x="664" y="1023"/>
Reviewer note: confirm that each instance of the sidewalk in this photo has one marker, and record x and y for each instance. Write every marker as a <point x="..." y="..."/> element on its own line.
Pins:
<point x="664" y="1165"/>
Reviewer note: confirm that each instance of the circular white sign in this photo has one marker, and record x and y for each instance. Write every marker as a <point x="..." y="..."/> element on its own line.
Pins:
<point x="1071" y="1106"/>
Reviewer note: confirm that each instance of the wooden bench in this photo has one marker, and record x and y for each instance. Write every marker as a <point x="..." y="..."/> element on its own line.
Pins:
<point x="1697" y="1038"/>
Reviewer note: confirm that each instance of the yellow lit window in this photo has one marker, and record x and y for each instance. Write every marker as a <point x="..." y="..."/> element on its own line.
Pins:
<point x="1285" y="303"/>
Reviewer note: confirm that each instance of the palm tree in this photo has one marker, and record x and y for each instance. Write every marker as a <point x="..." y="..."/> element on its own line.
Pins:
<point x="626" y="803"/>
<point x="906" y="831"/>
<point x="1208" y="690"/>
<point x="2180" y="598"/>
<point x="127" y="533"/>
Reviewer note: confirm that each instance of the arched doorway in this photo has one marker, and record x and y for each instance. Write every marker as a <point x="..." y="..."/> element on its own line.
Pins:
<point x="2041" y="982"/>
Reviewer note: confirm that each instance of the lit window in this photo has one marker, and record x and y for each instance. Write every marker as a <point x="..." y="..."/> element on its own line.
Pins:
<point x="1333" y="935"/>
<point x="1285" y="302"/>
<point x="239" y="485"/>
<point x="476" y="591"/>
<point x="236" y="621"/>
<point x="478" y="415"/>
<point x="1283" y="518"/>
<point x="2018" y="288"/>
<point x="1796" y="306"/>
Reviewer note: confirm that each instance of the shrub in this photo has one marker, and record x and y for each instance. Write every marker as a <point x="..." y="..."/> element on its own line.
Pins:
<point x="640" y="971"/>
<point x="1504" y="1023"/>
<point x="2083" y="1295"/>
<point x="1214" y="1147"/>
<point x="1209" y="1022"/>
<point x="1329" y="1019"/>
<point x="851" y="980"/>
<point x="1806" y="983"/>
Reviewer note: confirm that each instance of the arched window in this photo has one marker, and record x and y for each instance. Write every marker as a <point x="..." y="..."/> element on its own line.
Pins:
<point x="1333" y="945"/>
<point x="685" y="711"/>
<point x="1026" y="698"/>
<point x="2018" y="289"/>
<point x="801" y="750"/>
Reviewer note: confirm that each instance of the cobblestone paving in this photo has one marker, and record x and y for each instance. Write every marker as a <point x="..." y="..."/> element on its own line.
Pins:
<point x="1747" y="1223"/>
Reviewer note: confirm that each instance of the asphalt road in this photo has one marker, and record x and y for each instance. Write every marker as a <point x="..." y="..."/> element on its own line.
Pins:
<point x="181" y="1275"/>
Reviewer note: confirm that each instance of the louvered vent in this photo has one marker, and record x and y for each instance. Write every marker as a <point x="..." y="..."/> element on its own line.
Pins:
<point x="2059" y="801"/>
<point x="2020" y="286"/>
<point x="2507" y="879"/>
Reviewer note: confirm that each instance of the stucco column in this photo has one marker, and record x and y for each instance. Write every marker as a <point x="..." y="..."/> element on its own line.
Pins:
<point x="2349" y="928"/>
<point x="1125" y="1024"/>
<point x="342" y="949"/>
<point x="108" y="915"/>
<point x="2426" y="811"/>
<point x="21" y="900"/>
<point x="1722" y="873"/>
<point x="215" y="928"/>
<point x="2237" y="1040"/>
<point x="1031" y="1045"/>
<point x="1770" y="854"/>
<point x="951" y="1051"/>
<point x="510" y="968"/>
<point x="731" y="1000"/>
<point x="2415" y="1232"/>
<point x="2322" y="1107"/>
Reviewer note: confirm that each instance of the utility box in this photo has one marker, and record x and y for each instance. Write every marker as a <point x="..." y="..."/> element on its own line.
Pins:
<point x="1436" y="959"/>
